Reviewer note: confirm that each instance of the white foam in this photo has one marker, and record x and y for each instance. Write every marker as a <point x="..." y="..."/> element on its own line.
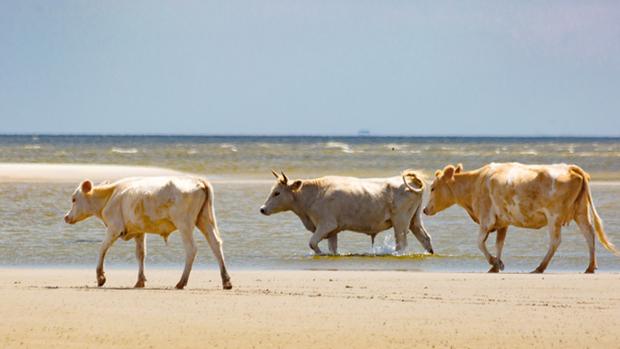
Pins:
<point x="231" y="147"/>
<point x="338" y="145"/>
<point x="124" y="150"/>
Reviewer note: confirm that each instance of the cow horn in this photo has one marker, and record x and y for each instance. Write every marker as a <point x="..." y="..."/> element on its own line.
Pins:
<point x="410" y="187"/>
<point x="284" y="178"/>
<point x="275" y="174"/>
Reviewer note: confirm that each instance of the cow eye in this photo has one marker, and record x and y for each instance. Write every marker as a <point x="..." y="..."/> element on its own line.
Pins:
<point x="73" y="200"/>
<point x="276" y="193"/>
<point x="432" y="190"/>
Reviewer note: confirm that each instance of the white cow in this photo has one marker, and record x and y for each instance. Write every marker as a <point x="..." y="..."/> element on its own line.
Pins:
<point x="329" y="205"/>
<point x="131" y="207"/>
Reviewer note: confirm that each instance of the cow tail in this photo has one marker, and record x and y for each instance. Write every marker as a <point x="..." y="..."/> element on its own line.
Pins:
<point x="415" y="178"/>
<point x="208" y="206"/>
<point x="598" y="223"/>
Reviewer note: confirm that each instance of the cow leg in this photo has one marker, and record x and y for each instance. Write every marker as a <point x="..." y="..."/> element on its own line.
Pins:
<point x="499" y="246"/>
<point x="554" y="242"/>
<point x="187" y="235"/>
<point x="109" y="239"/>
<point x="333" y="244"/>
<point x="400" y="235"/>
<point x="140" y="254"/>
<point x="322" y="231"/>
<point x="482" y="245"/>
<point x="587" y="230"/>
<point x="418" y="230"/>
<point x="212" y="235"/>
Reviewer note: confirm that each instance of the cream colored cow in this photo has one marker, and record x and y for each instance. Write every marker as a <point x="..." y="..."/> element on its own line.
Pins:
<point x="529" y="196"/>
<point x="131" y="207"/>
<point x="329" y="205"/>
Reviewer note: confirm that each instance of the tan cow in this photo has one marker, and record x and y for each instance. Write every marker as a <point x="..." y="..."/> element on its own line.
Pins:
<point x="329" y="205"/>
<point x="528" y="196"/>
<point x="131" y="207"/>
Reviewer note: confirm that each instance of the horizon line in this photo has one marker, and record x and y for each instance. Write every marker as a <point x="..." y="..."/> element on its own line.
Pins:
<point x="310" y="135"/>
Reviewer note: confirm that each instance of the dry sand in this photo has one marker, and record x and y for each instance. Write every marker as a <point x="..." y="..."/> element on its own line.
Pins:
<point x="72" y="173"/>
<point x="297" y="309"/>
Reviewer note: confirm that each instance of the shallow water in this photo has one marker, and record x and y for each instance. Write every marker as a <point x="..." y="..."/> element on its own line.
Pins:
<point x="32" y="231"/>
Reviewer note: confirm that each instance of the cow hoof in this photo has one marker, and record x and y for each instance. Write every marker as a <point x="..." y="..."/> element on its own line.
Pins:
<point x="494" y="269"/>
<point x="100" y="280"/>
<point x="537" y="271"/>
<point x="501" y="265"/>
<point x="139" y="284"/>
<point x="227" y="285"/>
<point x="590" y="270"/>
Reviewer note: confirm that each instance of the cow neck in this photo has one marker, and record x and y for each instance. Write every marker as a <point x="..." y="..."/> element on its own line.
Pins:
<point x="462" y="190"/>
<point x="102" y="194"/>
<point x="304" y="197"/>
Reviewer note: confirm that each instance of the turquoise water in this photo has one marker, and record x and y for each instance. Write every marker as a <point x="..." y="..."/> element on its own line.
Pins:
<point x="32" y="231"/>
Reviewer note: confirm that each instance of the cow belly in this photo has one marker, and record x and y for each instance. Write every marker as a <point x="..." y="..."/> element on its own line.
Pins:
<point x="535" y="220"/>
<point x="370" y="228"/>
<point x="160" y="227"/>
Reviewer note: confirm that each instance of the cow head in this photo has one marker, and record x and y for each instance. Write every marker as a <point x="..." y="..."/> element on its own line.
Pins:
<point x="442" y="196"/>
<point x="82" y="206"/>
<point x="282" y="195"/>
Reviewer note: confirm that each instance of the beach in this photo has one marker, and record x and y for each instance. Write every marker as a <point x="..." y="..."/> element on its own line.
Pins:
<point x="57" y="308"/>
<point x="283" y="296"/>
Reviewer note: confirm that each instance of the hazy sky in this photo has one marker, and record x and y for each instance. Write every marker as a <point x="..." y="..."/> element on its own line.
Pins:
<point x="310" y="67"/>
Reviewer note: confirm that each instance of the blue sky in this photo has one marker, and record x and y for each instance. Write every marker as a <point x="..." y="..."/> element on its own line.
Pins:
<point x="310" y="67"/>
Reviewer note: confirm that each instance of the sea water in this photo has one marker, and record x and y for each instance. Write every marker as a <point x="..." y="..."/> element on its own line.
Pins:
<point x="32" y="231"/>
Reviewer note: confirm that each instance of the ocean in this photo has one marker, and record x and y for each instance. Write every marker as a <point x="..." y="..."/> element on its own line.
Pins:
<point x="32" y="231"/>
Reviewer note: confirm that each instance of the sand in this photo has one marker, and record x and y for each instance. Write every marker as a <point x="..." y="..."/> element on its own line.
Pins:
<point x="73" y="173"/>
<point x="298" y="309"/>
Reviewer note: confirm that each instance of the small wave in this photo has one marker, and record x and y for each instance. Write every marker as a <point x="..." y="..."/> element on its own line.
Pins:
<point x="232" y="147"/>
<point x="88" y="241"/>
<point x="393" y="255"/>
<point x="528" y="152"/>
<point x="394" y="147"/>
<point x="192" y="152"/>
<point x="338" y="145"/>
<point x="32" y="146"/>
<point x="124" y="150"/>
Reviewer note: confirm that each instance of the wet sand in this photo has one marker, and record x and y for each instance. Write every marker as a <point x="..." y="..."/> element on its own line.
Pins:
<point x="73" y="173"/>
<point x="271" y="309"/>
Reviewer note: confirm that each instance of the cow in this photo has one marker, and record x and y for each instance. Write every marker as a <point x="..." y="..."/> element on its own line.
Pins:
<point x="329" y="205"/>
<point x="131" y="207"/>
<point x="499" y="195"/>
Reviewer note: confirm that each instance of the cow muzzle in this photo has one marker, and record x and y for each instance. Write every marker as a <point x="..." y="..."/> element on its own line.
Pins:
<point x="426" y="211"/>
<point x="264" y="211"/>
<point x="68" y="219"/>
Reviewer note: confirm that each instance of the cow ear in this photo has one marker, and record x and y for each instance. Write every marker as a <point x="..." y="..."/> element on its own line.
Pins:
<point x="275" y="174"/>
<point x="86" y="186"/>
<point x="296" y="185"/>
<point x="459" y="168"/>
<point x="437" y="173"/>
<point x="448" y="172"/>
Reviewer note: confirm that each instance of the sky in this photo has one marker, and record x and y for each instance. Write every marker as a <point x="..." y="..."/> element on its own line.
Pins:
<point x="316" y="67"/>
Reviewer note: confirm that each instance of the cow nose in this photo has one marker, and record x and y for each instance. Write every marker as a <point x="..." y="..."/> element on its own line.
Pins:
<point x="425" y="210"/>
<point x="262" y="210"/>
<point x="66" y="218"/>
